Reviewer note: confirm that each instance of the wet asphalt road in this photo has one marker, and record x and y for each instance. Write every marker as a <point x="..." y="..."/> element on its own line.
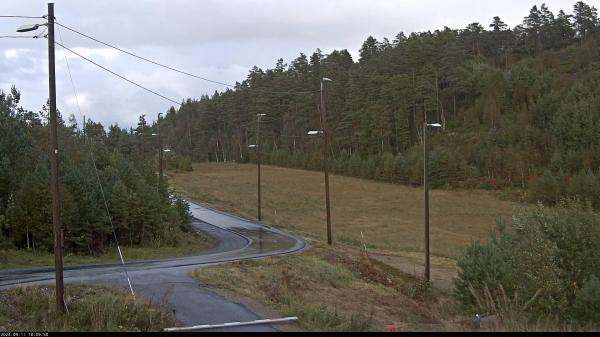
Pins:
<point x="167" y="280"/>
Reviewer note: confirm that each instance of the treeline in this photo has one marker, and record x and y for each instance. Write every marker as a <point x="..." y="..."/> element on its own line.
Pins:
<point x="518" y="105"/>
<point x="140" y="213"/>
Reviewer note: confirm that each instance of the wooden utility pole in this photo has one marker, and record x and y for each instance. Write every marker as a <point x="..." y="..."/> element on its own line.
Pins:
<point x="160" y="156"/>
<point x="426" y="190"/>
<point x="58" y="263"/>
<point x="258" y="116"/>
<point x="326" y="163"/>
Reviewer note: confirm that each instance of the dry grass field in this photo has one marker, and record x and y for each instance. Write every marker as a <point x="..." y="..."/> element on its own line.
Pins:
<point x="389" y="216"/>
<point x="342" y="288"/>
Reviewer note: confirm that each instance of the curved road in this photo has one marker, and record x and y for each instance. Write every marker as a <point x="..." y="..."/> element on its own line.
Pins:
<point x="167" y="280"/>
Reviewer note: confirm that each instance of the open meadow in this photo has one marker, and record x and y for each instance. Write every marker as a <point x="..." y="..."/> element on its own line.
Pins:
<point x="389" y="216"/>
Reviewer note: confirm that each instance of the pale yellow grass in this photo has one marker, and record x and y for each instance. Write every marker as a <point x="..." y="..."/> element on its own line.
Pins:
<point x="389" y="216"/>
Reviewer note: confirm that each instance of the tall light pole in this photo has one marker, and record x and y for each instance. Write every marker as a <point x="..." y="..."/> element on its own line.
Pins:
<point x="57" y="233"/>
<point x="426" y="188"/>
<point x="257" y="147"/>
<point x="160" y="155"/>
<point x="325" y="133"/>
<point x="326" y="159"/>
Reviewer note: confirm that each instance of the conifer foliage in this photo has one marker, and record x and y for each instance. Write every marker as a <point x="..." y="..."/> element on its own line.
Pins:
<point x="520" y="107"/>
<point x="139" y="213"/>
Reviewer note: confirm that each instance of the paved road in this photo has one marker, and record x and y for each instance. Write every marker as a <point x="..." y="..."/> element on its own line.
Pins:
<point x="167" y="280"/>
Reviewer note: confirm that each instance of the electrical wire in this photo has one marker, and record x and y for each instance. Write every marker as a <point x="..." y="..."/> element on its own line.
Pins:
<point x="172" y="68"/>
<point x="21" y="17"/>
<point x="120" y="76"/>
<point x="18" y="37"/>
<point x="143" y="58"/>
<point x="96" y="169"/>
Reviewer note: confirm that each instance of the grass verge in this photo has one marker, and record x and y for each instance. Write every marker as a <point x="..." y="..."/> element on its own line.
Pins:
<point x="189" y="243"/>
<point x="91" y="308"/>
<point x="338" y="289"/>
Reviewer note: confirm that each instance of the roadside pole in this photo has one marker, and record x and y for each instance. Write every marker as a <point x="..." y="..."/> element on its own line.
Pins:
<point x="160" y="156"/>
<point x="58" y="263"/>
<point x="326" y="164"/>
<point x="258" y="160"/>
<point x="426" y="191"/>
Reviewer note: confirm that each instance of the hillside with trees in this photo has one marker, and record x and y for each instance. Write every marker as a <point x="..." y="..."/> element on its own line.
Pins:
<point x="99" y="172"/>
<point x="519" y="106"/>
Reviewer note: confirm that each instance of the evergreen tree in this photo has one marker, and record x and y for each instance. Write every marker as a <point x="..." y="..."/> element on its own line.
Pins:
<point x="369" y="49"/>
<point x="585" y="18"/>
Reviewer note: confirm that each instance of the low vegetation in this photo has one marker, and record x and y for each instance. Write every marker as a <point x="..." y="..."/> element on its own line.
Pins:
<point x="90" y="308"/>
<point x="540" y="270"/>
<point x="336" y="289"/>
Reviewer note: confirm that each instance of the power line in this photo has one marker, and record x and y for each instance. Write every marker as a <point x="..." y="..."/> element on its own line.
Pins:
<point x="145" y="59"/>
<point x="21" y="17"/>
<point x="96" y="168"/>
<point x="18" y="37"/>
<point x="172" y="68"/>
<point x="120" y="76"/>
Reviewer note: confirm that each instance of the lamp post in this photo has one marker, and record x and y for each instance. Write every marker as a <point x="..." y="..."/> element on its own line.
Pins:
<point x="426" y="190"/>
<point x="325" y="134"/>
<point x="326" y="158"/>
<point x="257" y="147"/>
<point x="160" y="155"/>
<point x="57" y="233"/>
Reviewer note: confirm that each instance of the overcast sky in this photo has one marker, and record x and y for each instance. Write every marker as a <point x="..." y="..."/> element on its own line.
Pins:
<point x="220" y="40"/>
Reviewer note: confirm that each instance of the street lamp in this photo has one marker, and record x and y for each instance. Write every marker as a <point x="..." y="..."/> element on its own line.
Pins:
<point x="260" y="243"/>
<point x="325" y="133"/>
<point x="30" y="28"/>
<point x="58" y="244"/>
<point x="160" y="154"/>
<point x="426" y="190"/>
<point x="257" y="147"/>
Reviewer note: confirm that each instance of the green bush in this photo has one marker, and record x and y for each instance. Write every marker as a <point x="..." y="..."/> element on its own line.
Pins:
<point x="483" y="265"/>
<point x="546" y="189"/>
<point x="585" y="185"/>
<point x="543" y="263"/>
<point x="586" y="308"/>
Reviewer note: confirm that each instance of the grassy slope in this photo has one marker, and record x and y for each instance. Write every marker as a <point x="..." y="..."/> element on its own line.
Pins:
<point x="336" y="290"/>
<point x="189" y="244"/>
<point x="91" y="308"/>
<point x="340" y="287"/>
<point x="389" y="216"/>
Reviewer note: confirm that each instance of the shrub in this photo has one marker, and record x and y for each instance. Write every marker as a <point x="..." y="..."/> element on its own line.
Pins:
<point x="545" y="263"/>
<point x="546" y="188"/>
<point x="586" y="308"/>
<point x="585" y="185"/>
